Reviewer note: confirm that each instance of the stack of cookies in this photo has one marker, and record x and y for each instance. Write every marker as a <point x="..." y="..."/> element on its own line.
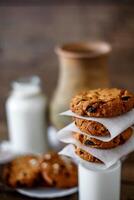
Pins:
<point x="100" y="103"/>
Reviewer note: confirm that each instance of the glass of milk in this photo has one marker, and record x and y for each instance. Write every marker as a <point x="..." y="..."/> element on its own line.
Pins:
<point x="25" y="108"/>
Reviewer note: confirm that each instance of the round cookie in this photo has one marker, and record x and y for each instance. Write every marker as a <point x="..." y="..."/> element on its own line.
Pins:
<point x="86" y="156"/>
<point x="91" y="127"/>
<point x="59" y="171"/>
<point x="24" y="171"/>
<point x="95" y="143"/>
<point x="102" y="102"/>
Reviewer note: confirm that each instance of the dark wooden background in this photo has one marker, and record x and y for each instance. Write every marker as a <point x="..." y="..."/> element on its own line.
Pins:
<point x="29" y="32"/>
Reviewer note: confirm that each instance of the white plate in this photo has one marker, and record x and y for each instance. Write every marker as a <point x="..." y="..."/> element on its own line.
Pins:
<point x="6" y="154"/>
<point x="47" y="192"/>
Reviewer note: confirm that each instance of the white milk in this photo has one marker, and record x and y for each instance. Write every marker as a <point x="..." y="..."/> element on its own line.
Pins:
<point x="26" y="117"/>
<point x="101" y="184"/>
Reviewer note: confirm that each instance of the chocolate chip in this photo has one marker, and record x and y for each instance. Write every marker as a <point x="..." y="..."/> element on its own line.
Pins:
<point x="24" y="174"/>
<point x="91" y="109"/>
<point x="122" y="141"/>
<point x="67" y="174"/>
<point x="81" y="152"/>
<point x="18" y="183"/>
<point x="54" y="182"/>
<point x="88" y="142"/>
<point x="62" y="166"/>
<point x="125" y="98"/>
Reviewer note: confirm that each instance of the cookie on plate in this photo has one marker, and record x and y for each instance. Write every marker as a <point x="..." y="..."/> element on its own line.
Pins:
<point x="95" y="143"/>
<point x="23" y="171"/>
<point x="58" y="171"/>
<point x="91" y="127"/>
<point x="86" y="156"/>
<point x="102" y="102"/>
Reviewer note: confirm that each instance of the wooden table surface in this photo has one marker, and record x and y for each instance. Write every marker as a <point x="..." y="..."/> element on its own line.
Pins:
<point x="127" y="182"/>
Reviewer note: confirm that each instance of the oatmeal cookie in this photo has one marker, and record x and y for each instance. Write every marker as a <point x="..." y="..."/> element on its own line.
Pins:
<point x="86" y="156"/>
<point x="24" y="171"/>
<point x="59" y="171"/>
<point x="102" y="102"/>
<point x="95" y="143"/>
<point x="91" y="127"/>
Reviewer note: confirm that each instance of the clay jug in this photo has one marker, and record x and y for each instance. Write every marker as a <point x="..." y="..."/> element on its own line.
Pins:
<point x="82" y="66"/>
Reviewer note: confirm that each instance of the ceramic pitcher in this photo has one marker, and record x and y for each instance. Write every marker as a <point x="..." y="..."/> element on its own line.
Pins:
<point x="82" y="66"/>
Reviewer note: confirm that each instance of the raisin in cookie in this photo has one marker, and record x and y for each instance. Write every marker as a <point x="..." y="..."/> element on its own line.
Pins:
<point x="102" y="102"/>
<point x="24" y="171"/>
<point x="91" y="127"/>
<point x="86" y="156"/>
<point x="95" y="143"/>
<point x="58" y="171"/>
